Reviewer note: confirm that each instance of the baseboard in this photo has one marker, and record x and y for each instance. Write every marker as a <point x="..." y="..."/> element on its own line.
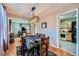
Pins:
<point x="53" y="45"/>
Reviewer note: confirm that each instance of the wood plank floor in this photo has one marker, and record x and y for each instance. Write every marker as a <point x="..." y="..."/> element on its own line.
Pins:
<point x="58" y="51"/>
<point x="12" y="49"/>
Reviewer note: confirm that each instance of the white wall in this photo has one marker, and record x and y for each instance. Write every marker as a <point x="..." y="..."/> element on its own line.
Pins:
<point x="51" y="20"/>
<point x="34" y="28"/>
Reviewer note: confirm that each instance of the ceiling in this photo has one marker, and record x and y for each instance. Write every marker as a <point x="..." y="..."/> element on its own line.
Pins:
<point x="24" y="9"/>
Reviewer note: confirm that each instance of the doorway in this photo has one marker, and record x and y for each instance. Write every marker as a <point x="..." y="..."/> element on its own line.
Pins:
<point x="67" y="31"/>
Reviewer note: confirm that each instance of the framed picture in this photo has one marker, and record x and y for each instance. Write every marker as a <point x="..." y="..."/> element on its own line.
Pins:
<point x="44" y="25"/>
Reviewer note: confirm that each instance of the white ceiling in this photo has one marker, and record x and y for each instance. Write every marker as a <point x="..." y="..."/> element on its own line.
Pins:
<point x="24" y="9"/>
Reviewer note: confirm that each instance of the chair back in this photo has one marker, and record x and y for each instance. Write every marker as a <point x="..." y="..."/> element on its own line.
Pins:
<point x="44" y="43"/>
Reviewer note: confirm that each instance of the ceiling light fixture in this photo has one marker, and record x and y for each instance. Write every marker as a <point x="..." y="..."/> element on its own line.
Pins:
<point x="33" y="8"/>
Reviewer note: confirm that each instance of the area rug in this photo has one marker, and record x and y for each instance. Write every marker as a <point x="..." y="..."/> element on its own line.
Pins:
<point x="18" y="52"/>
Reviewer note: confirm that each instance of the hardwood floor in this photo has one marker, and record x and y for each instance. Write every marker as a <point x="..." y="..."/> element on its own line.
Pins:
<point x="12" y="49"/>
<point x="58" y="51"/>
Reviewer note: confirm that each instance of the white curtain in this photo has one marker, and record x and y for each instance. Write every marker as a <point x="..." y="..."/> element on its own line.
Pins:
<point x="3" y="29"/>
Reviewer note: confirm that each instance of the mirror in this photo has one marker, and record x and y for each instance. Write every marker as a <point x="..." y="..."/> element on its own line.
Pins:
<point x="67" y="31"/>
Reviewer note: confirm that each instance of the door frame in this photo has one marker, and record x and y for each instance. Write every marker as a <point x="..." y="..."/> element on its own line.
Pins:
<point x="58" y="28"/>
